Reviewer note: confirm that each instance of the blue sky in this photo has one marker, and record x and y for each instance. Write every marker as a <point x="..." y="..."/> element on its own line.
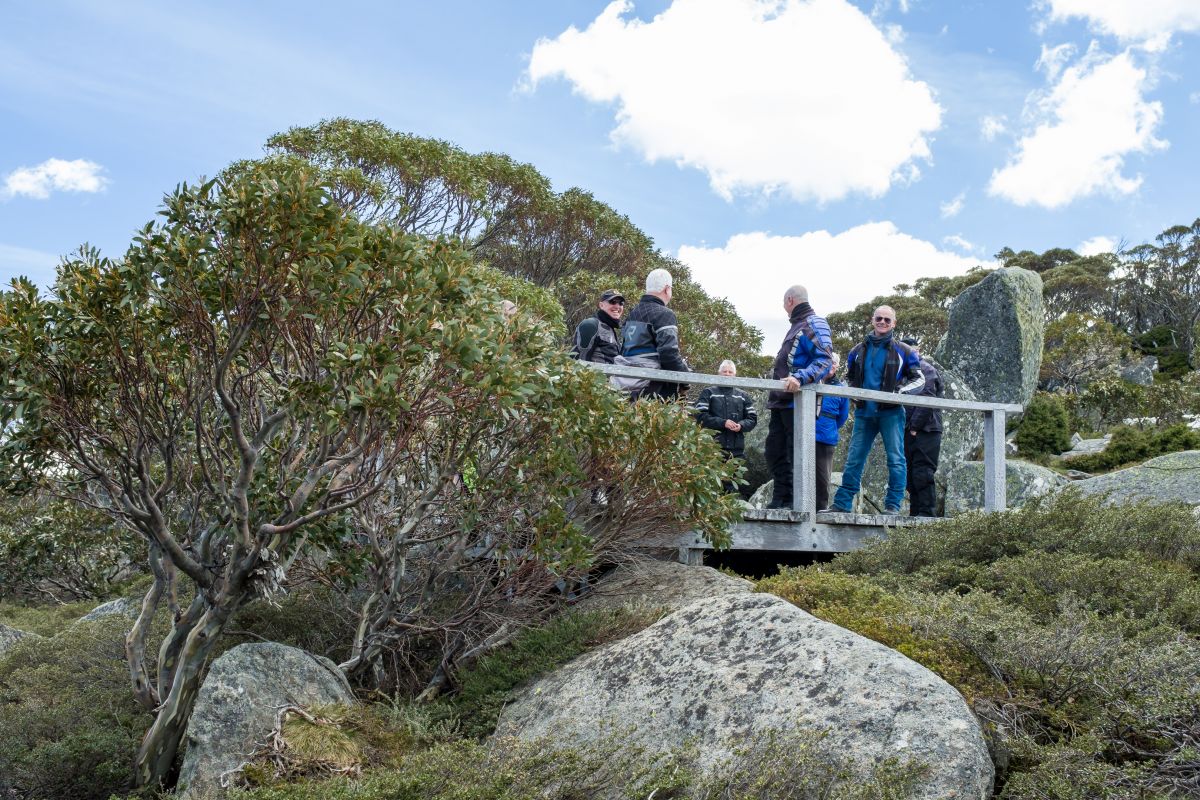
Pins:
<point x="846" y="144"/>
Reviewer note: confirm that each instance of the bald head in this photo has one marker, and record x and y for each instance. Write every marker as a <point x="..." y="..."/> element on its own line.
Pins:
<point x="794" y="296"/>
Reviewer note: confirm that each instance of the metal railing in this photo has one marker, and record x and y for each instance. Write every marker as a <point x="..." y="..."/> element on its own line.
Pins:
<point x="804" y="441"/>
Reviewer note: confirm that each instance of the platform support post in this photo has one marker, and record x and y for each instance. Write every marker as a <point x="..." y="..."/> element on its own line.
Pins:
<point x="804" y="454"/>
<point x="995" y="474"/>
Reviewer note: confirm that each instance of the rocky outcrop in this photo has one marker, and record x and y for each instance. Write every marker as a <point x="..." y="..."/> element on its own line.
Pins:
<point x="664" y="584"/>
<point x="1023" y="481"/>
<point x="122" y="606"/>
<point x="995" y="332"/>
<point x="719" y="673"/>
<point x="1141" y="371"/>
<point x="1173" y="478"/>
<point x="10" y="636"/>
<point x="239" y="703"/>
<point x="1086" y="447"/>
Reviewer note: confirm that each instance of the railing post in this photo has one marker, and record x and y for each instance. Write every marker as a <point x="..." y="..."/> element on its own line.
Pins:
<point x="804" y="453"/>
<point x="995" y="473"/>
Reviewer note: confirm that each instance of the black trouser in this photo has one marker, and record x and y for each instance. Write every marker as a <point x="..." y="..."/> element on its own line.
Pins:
<point x="779" y="454"/>
<point x="921" y="450"/>
<point x="824" y="470"/>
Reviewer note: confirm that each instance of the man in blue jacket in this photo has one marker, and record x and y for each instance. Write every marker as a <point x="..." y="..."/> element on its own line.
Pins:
<point x="881" y="363"/>
<point x="803" y="358"/>
<point x="831" y="416"/>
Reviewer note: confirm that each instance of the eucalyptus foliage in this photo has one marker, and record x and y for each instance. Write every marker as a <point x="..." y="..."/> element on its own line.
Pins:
<point x="264" y="373"/>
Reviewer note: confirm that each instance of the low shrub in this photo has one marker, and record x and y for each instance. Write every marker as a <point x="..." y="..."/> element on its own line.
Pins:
<point x="1044" y="427"/>
<point x="775" y="767"/>
<point x="1082" y="617"/>
<point x="1130" y="445"/>
<point x="71" y="726"/>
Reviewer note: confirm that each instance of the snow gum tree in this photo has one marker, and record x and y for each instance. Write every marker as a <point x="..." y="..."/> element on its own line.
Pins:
<point x="263" y="373"/>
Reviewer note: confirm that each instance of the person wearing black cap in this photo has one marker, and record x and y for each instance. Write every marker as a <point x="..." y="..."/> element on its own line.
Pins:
<point x="923" y="441"/>
<point x="598" y="338"/>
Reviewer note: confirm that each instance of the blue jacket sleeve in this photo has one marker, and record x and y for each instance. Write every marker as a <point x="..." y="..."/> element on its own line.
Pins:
<point x="818" y="360"/>
<point x="843" y="411"/>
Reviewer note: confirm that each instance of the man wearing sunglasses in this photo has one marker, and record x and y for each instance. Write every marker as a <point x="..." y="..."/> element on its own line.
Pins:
<point x="598" y="338"/>
<point x="881" y="363"/>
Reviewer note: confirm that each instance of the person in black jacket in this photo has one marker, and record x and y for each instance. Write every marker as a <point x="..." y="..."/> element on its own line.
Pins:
<point x="730" y="413"/>
<point x="923" y="441"/>
<point x="598" y="338"/>
<point x="652" y="338"/>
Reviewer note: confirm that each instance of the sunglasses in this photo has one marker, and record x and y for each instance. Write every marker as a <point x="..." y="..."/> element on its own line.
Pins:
<point x="883" y="319"/>
<point x="617" y="302"/>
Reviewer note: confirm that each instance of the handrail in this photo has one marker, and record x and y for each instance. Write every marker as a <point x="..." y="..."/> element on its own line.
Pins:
<point x="805" y="410"/>
<point x="701" y="379"/>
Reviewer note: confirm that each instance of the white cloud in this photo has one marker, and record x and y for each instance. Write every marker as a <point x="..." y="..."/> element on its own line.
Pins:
<point x="763" y="95"/>
<point x="958" y="242"/>
<point x="1194" y="97"/>
<point x="39" y="267"/>
<point x="1145" y="19"/>
<point x="54" y="174"/>
<point x="1053" y="59"/>
<point x="990" y="127"/>
<point x="840" y="270"/>
<point x="1096" y="245"/>
<point x="1093" y="118"/>
<point x="951" y="207"/>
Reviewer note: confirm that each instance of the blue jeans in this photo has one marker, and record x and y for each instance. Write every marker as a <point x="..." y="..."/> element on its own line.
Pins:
<point x="890" y="426"/>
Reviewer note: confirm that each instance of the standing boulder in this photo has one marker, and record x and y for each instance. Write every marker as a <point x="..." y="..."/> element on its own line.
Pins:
<point x="1023" y="481"/>
<point x="239" y="704"/>
<point x="721" y="674"/>
<point x="995" y="333"/>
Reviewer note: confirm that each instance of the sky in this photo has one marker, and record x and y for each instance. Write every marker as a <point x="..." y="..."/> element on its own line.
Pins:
<point x="847" y="145"/>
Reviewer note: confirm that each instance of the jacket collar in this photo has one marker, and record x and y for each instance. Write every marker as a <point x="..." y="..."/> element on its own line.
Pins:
<point x="799" y="312"/>
<point x="607" y="319"/>
<point x="649" y="298"/>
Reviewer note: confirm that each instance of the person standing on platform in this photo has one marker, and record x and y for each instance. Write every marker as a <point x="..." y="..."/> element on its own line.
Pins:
<point x="923" y="441"/>
<point x="804" y="357"/>
<point x="652" y="340"/>
<point x="882" y="364"/>
<point x="832" y="413"/>
<point x="729" y="413"/>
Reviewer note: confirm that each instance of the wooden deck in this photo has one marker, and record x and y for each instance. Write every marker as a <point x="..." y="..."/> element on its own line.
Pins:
<point x="790" y="531"/>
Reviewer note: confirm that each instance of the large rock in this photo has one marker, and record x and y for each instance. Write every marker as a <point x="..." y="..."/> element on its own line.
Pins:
<point x="10" y="636"/>
<point x="240" y="700"/>
<point x="994" y="339"/>
<point x="122" y="606"/>
<point x="1141" y="371"/>
<point x="1086" y="447"/>
<point x="718" y="673"/>
<point x="665" y="584"/>
<point x="1173" y="478"/>
<point x="1024" y="481"/>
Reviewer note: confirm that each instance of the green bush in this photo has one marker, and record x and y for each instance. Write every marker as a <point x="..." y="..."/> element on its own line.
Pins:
<point x="53" y="550"/>
<point x="1083" y="618"/>
<point x="1130" y="445"/>
<point x="70" y="724"/>
<point x="1043" y="427"/>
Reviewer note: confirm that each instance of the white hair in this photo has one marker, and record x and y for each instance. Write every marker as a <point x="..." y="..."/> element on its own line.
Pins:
<point x="727" y="363"/>
<point x="796" y="293"/>
<point x="658" y="280"/>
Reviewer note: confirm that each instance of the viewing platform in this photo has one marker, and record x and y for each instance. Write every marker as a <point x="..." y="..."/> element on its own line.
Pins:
<point x="802" y="528"/>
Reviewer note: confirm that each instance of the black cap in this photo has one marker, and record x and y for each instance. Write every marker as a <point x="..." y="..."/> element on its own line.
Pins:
<point x="610" y="295"/>
<point x="910" y="341"/>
